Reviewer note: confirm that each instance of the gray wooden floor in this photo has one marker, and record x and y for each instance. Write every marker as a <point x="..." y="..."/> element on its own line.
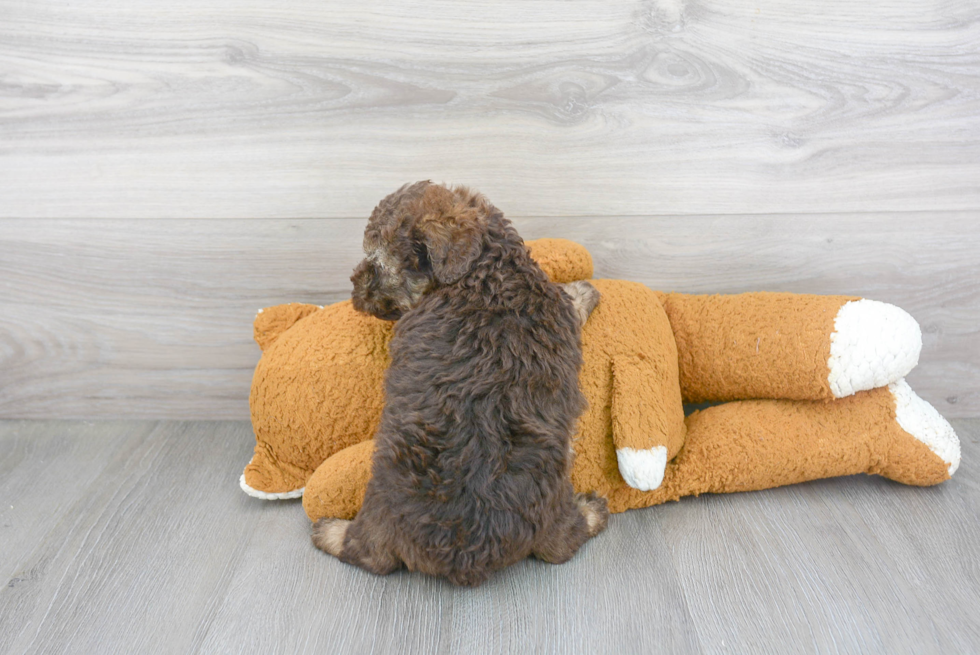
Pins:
<point x="132" y="536"/>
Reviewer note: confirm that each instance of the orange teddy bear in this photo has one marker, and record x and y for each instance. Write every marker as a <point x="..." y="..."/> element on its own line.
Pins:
<point x="825" y="375"/>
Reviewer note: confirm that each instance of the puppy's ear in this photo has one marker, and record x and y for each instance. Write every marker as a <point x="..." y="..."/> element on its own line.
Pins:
<point x="451" y="226"/>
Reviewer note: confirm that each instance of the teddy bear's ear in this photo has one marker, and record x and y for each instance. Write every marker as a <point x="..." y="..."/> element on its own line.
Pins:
<point x="451" y="227"/>
<point x="273" y="321"/>
<point x="561" y="260"/>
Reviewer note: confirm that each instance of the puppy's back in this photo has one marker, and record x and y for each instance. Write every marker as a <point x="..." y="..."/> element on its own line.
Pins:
<point x="482" y="398"/>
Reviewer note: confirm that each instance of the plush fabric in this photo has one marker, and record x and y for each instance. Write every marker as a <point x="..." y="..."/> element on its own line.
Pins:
<point x="317" y="395"/>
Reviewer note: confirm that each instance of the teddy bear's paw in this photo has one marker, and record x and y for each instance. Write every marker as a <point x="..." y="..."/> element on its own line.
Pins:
<point x="266" y="495"/>
<point x="922" y="421"/>
<point x="873" y="344"/>
<point x="642" y="469"/>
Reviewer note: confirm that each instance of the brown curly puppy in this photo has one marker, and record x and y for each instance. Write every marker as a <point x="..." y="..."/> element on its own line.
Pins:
<point x="470" y="472"/>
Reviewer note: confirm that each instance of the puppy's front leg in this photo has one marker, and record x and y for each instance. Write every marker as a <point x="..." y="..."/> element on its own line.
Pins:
<point x="584" y="297"/>
<point x="346" y="541"/>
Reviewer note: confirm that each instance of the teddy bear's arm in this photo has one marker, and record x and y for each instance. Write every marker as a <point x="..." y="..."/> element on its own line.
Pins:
<point x="273" y="321"/>
<point x="647" y="418"/>
<point x="788" y="346"/>
<point x="336" y="489"/>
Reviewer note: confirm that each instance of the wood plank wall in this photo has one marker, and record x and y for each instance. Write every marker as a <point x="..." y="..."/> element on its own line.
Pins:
<point x="168" y="168"/>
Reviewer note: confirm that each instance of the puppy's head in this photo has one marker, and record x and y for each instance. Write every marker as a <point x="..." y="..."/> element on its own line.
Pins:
<point x="419" y="238"/>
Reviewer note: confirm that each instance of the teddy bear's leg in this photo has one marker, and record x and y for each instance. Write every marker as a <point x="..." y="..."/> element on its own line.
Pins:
<point x="789" y="346"/>
<point x="760" y="444"/>
<point x="585" y="516"/>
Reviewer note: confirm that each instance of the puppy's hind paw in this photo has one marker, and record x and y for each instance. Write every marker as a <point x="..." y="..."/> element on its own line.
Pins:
<point x="328" y="535"/>
<point x="595" y="509"/>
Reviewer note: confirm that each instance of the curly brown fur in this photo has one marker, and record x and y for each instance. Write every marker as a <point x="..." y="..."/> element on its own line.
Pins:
<point x="470" y="472"/>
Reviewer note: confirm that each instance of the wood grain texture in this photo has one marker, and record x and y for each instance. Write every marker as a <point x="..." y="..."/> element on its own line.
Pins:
<point x="160" y="551"/>
<point x="153" y="319"/>
<point x="220" y="108"/>
<point x="44" y="469"/>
